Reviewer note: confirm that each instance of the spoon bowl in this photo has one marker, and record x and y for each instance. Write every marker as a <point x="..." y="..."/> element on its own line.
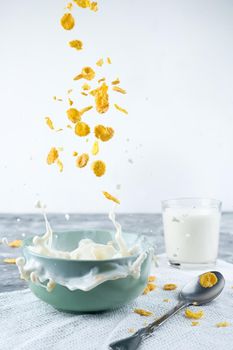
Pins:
<point x="193" y="293"/>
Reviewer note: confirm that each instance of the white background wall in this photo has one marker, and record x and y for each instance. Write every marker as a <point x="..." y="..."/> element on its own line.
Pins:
<point x="174" y="57"/>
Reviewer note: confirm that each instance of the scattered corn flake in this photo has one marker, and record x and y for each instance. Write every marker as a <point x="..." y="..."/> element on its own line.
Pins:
<point x="69" y="91"/>
<point x="52" y="156"/>
<point x="67" y="21"/>
<point x="86" y="87"/>
<point x="95" y="148"/>
<point x="59" y="99"/>
<point x="104" y="133"/>
<point x="99" y="168"/>
<point x="131" y="330"/>
<point x="116" y="81"/>
<point x="143" y="312"/>
<point x="82" y="129"/>
<point x="166" y="300"/>
<point x="84" y="93"/>
<point x="102" y="79"/>
<point x="54" y="97"/>
<point x="100" y="62"/>
<point x="208" y="279"/>
<point x="75" y="154"/>
<point x="85" y="109"/>
<point x="60" y="149"/>
<point x="119" y="89"/>
<point x="196" y="315"/>
<point x="109" y="60"/>
<point x="15" y="244"/>
<point x="69" y="126"/>
<point x="94" y="6"/>
<point x="146" y="290"/>
<point x="82" y="160"/>
<point x="120" y="109"/>
<point x="110" y="197"/>
<point x="69" y="6"/>
<point x="9" y="260"/>
<point x="101" y="98"/>
<point x="151" y="278"/>
<point x="59" y="130"/>
<point x="83" y="3"/>
<point x="151" y="286"/>
<point x="76" y="44"/>
<point x="87" y="73"/>
<point x="223" y="324"/>
<point x="70" y="102"/>
<point x="73" y="115"/>
<point x="195" y="323"/>
<point x="60" y="165"/>
<point x="169" y="286"/>
<point x="49" y="123"/>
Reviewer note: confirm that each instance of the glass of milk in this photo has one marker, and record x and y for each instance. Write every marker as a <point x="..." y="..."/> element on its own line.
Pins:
<point x="191" y="231"/>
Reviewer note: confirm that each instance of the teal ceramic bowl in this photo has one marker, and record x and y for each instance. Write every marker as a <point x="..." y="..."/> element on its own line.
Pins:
<point x="107" y="295"/>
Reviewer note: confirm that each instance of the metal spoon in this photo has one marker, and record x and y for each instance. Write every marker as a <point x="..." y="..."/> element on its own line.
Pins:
<point x="191" y="294"/>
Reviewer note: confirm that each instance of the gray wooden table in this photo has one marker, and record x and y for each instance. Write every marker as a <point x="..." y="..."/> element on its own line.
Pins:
<point x="20" y="226"/>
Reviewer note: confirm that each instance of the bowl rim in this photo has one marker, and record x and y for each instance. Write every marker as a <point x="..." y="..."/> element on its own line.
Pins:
<point x="26" y="248"/>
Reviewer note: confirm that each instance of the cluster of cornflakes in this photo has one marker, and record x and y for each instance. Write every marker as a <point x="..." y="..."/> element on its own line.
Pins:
<point x="99" y="92"/>
<point x="150" y="285"/>
<point x="208" y="279"/>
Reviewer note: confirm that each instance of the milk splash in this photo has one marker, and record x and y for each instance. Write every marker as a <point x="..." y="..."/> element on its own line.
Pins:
<point x="87" y="250"/>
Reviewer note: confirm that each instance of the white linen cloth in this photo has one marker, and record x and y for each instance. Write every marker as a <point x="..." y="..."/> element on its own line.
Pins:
<point x="28" y="323"/>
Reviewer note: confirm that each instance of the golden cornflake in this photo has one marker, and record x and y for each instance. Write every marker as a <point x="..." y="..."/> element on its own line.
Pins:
<point x="82" y="160"/>
<point x="208" y="279"/>
<point x="169" y="286"/>
<point x="82" y="129"/>
<point x="75" y="154"/>
<point x="69" y="6"/>
<point x="109" y="60"/>
<point x="110" y="197"/>
<point x="102" y="79"/>
<point x="100" y="62"/>
<point x="49" y="123"/>
<point x="59" y="130"/>
<point x="94" y="6"/>
<point x="69" y="126"/>
<point x="52" y="156"/>
<point x="120" y="109"/>
<point x="73" y="115"/>
<point x="98" y="168"/>
<point x="83" y="3"/>
<point x="67" y="21"/>
<point x="70" y="102"/>
<point x="60" y="165"/>
<point x="223" y="324"/>
<point x="95" y="148"/>
<point x="85" y="109"/>
<point x="166" y="300"/>
<point x="84" y="93"/>
<point x="76" y="44"/>
<point x="15" y="244"/>
<point x="9" y="260"/>
<point x="116" y="81"/>
<point x="118" y="89"/>
<point x="196" y="315"/>
<point x="195" y="323"/>
<point x="151" y="278"/>
<point x="86" y="87"/>
<point x="87" y="73"/>
<point x="69" y="91"/>
<point x="143" y="312"/>
<point x="101" y="98"/>
<point x="104" y="133"/>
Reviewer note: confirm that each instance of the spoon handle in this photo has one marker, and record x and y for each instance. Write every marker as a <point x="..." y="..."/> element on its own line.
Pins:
<point x="133" y="342"/>
<point x="150" y="328"/>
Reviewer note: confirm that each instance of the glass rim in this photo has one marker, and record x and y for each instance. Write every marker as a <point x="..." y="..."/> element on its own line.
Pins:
<point x="180" y="199"/>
